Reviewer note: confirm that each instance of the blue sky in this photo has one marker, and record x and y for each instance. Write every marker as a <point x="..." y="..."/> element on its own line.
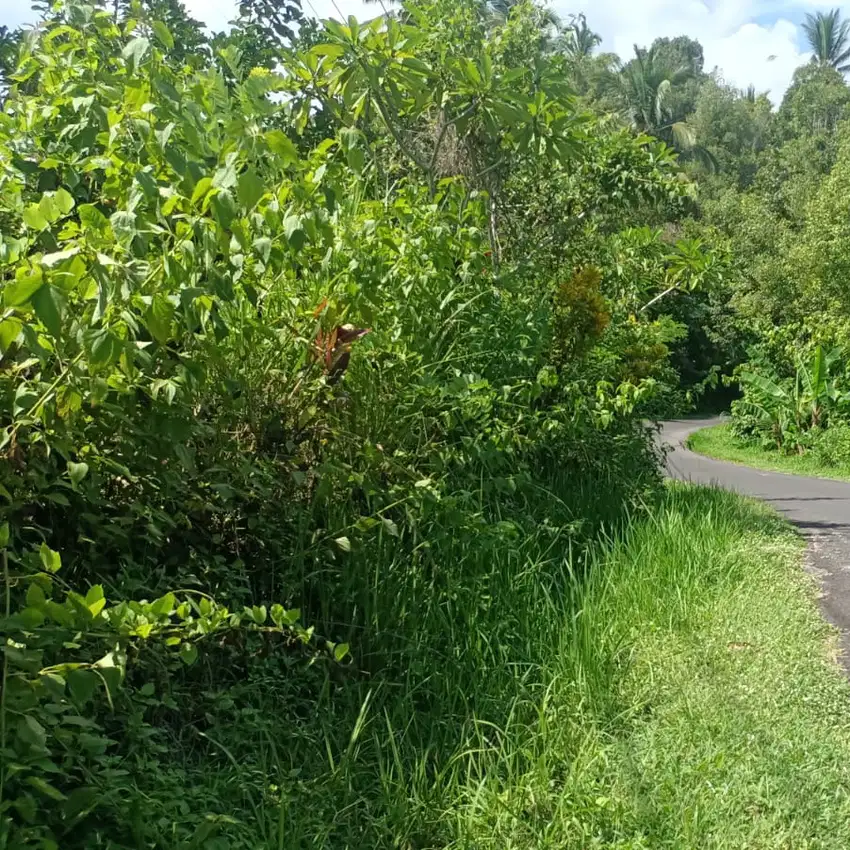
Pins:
<point x="739" y="36"/>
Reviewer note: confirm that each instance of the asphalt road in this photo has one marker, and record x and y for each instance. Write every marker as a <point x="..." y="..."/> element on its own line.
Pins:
<point x="819" y="508"/>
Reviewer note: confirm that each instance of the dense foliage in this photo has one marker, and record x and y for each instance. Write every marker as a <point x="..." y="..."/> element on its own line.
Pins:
<point x="326" y="352"/>
<point x="320" y="350"/>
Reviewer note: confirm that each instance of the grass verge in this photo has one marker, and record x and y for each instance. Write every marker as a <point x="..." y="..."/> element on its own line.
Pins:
<point x="719" y="442"/>
<point x="677" y="691"/>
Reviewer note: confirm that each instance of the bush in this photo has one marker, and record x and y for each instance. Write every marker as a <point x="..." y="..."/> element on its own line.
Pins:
<point x="831" y="446"/>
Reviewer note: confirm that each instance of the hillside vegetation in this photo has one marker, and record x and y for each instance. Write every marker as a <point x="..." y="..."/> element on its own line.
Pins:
<point x="329" y="513"/>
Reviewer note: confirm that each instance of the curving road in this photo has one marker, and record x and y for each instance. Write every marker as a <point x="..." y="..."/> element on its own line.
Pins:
<point x="820" y="509"/>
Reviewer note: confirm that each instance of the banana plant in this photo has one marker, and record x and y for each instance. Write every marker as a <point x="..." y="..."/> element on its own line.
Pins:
<point x="788" y="411"/>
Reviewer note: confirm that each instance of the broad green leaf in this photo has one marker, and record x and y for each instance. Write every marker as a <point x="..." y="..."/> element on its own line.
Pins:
<point x="162" y="32"/>
<point x="134" y="52"/>
<point x="105" y="348"/>
<point x="4" y="535"/>
<point x="50" y="560"/>
<point x="32" y="732"/>
<point x="95" y="599"/>
<point x="35" y="595"/>
<point x="159" y="318"/>
<point x="64" y="201"/>
<point x="49" y="306"/>
<point x="82" y="685"/>
<point x="250" y="189"/>
<point x="201" y="188"/>
<point x="34" y="218"/>
<point x="224" y="209"/>
<point x="21" y="290"/>
<point x="280" y="144"/>
<point x="188" y="654"/>
<point x="344" y="543"/>
<point x="123" y="226"/>
<point x="225" y="177"/>
<point x="77" y="472"/>
<point x="10" y="330"/>
<point x="50" y="260"/>
<point x="91" y="218"/>
<point x="340" y="651"/>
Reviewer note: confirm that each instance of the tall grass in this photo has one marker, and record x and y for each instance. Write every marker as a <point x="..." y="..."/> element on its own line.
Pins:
<point x="668" y="687"/>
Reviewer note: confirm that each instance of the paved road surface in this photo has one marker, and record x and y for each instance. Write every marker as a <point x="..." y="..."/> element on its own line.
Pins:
<point x="818" y="507"/>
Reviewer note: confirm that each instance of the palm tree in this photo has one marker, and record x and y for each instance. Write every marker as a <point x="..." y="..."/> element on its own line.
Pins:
<point x="829" y="38"/>
<point x="500" y="10"/>
<point x="644" y="87"/>
<point x="578" y="40"/>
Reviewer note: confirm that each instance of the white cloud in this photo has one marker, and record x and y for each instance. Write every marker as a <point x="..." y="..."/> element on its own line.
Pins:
<point x="732" y="32"/>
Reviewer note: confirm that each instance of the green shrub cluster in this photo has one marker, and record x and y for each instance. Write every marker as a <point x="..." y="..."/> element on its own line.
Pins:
<point x="290" y="425"/>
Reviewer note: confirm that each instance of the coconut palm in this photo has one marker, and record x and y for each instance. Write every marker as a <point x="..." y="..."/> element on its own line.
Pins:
<point x="578" y="40"/>
<point x="644" y="87"/>
<point x="500" y="11"/>
<point x="829" y="38"/>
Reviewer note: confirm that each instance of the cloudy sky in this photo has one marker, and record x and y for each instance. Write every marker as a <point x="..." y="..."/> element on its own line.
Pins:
<point x="756" y="42"/>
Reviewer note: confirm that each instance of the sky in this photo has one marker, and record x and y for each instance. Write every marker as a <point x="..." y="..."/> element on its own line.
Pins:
<point x="753" y="42"/>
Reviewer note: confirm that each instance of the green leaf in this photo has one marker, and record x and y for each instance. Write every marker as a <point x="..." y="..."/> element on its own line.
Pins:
<point x="163" y="606"/>
<point x="49" y="305"/>
<point x="201" y="188"/>
<point x="225" y="177"/>
<point x="50" y="260"/>
<point x="250" y="189"/>
<point x="280" y="144"/>
<point x="50" y="560"/>
<point x="105" y="348"/>
<point x="64" y="201"/>
<point x="35" y="595"/>
<point x="340" y="651"/>
<point x="82" y="685"/>
<point x="134" y="52"/>
<point x="344" y="543"/>
<point x="10" y="330"/>
<point x="31" y="732"/>
<point x="224" y="209"/>
<point x="34" y="218"/>
<point x="92" y="218"/>
<point x="390" y="526"/>
<point x="258" y="612"/>
<point x="159" y="318"/>
<point x="95" y="599"/>
<point x="21" y="290"/>
<point x="77" y="472"/>
<point x="188" y="654"/>
<point x="79" y="801"/>
<point x="45" y="788"/>
<point x="123" y="226"/>
<point x="4" y="535"/>
<point x="162" y="32"/>
<point x="277" y="614"/>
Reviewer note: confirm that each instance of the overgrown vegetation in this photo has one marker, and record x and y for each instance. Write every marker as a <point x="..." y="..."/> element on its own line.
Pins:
<point x="326" y="353"/>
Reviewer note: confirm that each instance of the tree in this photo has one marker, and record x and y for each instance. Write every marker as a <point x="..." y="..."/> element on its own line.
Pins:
<point x="829" y="38"/>
<point x="646" y="88"/>
<point x="815" y="102"/>
<point x="645" y="85"/>
<point x="578" y="40"/>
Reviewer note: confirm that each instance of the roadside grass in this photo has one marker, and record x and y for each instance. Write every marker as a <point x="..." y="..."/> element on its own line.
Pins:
<point x="676" y="688"/>
<point x="719" y="442"/>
